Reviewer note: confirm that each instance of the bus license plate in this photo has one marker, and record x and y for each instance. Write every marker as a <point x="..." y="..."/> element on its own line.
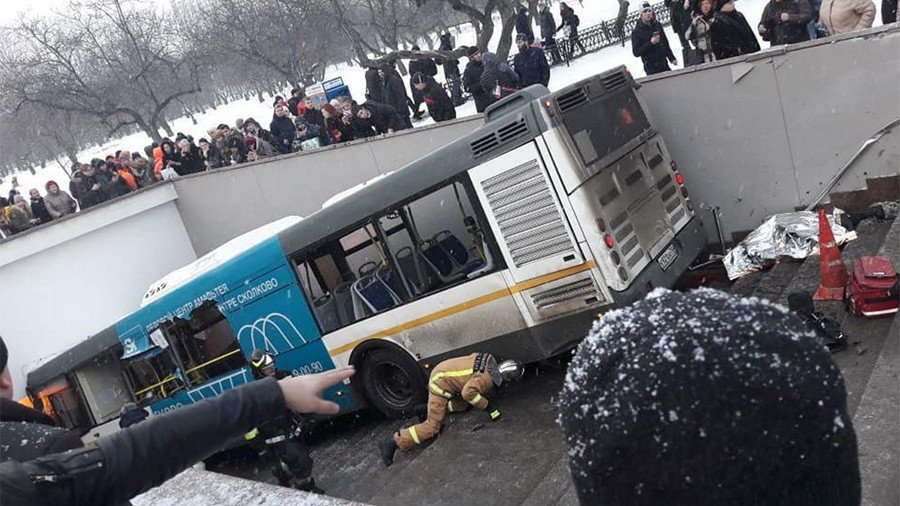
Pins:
<point x="668" y="256"/>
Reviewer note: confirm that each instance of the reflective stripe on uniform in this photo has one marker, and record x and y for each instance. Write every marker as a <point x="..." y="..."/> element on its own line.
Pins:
<point x="495" y="414"/>
<point x="415" y="437"/>
<point x="276" y="439"/>
<point x="250" y="435"/>
<point x="475" y="400"/>
<point x="432" y="382"/>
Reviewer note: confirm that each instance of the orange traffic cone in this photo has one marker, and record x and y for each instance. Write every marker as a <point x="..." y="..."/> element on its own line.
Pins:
<point x="832" y="272"/>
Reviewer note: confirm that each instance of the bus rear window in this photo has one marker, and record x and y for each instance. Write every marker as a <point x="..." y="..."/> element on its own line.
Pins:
<point x="602" y="126"/>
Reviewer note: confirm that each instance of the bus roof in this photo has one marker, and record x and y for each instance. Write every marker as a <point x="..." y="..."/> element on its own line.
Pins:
<point x="75" y="356"/>
<point x="215" y="258"/>
<point x="506" y="132"/>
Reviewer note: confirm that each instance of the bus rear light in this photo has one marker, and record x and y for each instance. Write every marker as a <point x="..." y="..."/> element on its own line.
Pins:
<point x="548" y="104"/>
<point x="623" y="274"/>
<point x="679" y="178"/>
<point x="615" y="257"/>
<point x="601" y="224"/>
<point x="609" y="241"/>
<point x="689" y="204"/>
<point x="684" y="192"/>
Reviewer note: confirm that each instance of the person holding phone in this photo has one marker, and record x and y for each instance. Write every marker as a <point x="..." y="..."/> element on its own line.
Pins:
<point x="649" y="42"/>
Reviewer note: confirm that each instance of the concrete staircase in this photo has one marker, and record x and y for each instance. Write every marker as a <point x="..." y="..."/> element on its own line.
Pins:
<point x="870" y="364"/>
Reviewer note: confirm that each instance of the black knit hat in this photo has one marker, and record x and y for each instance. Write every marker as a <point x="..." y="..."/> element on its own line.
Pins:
<point x="702" y="398"/>
<point x="4" y="355"/>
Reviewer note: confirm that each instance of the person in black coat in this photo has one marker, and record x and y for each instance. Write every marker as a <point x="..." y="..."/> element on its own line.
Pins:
<point x="451" y="71"/>
<point x="294" y="101"/>
<point x="730" y="33"/>
<point x="680" y="18"/>
<point x="649" y="42"/>
<point x="425" y="66"/>
<point x="283" y="130"/>
<point x="374" y="85"/>
<point x="191" y="159"/>
<point x="383" y="117"/>
<point x="38" y="207"/>
<point x="440" y="107"/>
<point x="118" y="467"/>
<point x="395" y="93"/>
<point x="90" y="188"/>
<point x="569" y="25"/>
<point x="212" y="154"/>
<point x="472" y="80"/>
<point x="27" y="433"/>
<point x="523" y="24"/>
<point x="530" y="64"/>
<point x="888" y="11"/>
<point x="784" y="22"/>
<point x="548" y="30"/>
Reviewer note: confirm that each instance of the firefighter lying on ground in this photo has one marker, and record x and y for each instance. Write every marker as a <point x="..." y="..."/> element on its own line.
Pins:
<point x="281" y="437"/>
<point x="456" y="384"/>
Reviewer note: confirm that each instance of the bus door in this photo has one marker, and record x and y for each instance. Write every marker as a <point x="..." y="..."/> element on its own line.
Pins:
<point x="534" y="234"/>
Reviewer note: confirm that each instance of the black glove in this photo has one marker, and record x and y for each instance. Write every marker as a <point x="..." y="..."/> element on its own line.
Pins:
<point x="492" y="411"/>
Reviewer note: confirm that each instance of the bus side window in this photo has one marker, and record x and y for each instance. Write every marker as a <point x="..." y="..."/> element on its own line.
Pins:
<point x="212" y="347"/>
<point x="153" y="377"/>
<point x="436" y="240"/>
<point x="350" y="278"/>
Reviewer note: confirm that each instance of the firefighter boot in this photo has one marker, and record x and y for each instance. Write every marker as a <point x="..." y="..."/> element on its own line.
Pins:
<point x="308" y="485"/>
<point x="388" y="448"/>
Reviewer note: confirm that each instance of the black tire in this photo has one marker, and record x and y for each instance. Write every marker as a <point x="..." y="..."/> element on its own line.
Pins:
<point x="393" y="382"/>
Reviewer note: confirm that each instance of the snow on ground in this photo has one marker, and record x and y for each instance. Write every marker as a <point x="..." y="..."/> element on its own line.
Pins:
<point x="592" y="13"/>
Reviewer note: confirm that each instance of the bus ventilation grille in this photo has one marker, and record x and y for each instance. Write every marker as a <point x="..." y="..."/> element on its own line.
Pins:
<point x="529" y="220"/>
<point x="614" y="82"/>
<point x="485" y="144"/>
<point x="581" y="289"/>
<point x="571" y="99"/>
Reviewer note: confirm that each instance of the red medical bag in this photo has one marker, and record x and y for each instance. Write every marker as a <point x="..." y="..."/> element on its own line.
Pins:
<point x="873" y="288"/>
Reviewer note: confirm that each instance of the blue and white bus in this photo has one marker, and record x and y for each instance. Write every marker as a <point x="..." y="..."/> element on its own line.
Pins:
<point x="509" y="240"/>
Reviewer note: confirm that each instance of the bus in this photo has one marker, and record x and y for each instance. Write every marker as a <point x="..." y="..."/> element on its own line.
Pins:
<point x="510" y="240"/>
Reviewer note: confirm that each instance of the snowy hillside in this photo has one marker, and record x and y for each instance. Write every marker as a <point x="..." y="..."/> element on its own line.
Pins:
<point x="591" y="13"/>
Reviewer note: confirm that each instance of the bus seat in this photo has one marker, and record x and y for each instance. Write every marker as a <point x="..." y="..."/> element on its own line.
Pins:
<point x="375" y="294"/>
<point x="327" y="313"/>
<point x="438" y="259"/>
<point x="367" y="269"/>
<point x="393" y="281"/>
<point x="457" y="251"/>
<point x="343" y="297"/>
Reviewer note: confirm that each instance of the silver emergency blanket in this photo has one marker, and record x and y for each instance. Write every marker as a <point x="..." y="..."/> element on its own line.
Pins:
<point x="793" y="235"/>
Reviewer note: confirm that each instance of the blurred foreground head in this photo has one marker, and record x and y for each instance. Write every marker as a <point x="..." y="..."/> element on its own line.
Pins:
<point x="701" y="398"/>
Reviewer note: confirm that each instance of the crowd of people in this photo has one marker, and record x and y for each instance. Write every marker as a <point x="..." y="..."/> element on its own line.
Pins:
<point x="708" y="30"/>
<point x="711" y="30"/>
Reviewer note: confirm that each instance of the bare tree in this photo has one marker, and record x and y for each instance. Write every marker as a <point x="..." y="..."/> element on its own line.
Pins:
<point x="110" y="59"/>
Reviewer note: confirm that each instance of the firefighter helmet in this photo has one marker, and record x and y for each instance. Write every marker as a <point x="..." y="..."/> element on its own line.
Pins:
<point x="260" y="360"/>
<point x="511" y="370"/>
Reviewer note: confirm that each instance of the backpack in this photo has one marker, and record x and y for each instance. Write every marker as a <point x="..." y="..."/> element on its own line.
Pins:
<point x="575" y="20"/>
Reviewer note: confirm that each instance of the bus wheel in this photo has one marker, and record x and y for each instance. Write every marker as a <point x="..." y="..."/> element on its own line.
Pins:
<point x="394" y="383"/>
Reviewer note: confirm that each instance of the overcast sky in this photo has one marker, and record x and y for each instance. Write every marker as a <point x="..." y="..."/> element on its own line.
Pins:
<point x="13" y="9"/>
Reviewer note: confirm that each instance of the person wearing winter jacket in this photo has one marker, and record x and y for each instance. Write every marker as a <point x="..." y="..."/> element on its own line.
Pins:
<point x="265" y="141"/>
<point x="523" y="24"/>
<point x="58" y="202"/>
<point x="844" y="16"/>
<point x="191" y="159"/>
<point x="548" y="30"/>
<point x="337" y="125"/>
<point x="440" y="107"/>
<point x="620" y="20"/>
<point x="451" y="71"/>
<point x="211" y="154"/>
<point x="308" y="132"/>
<point x="699" y="34"/>
<point x="784" y="22"/>
<point x="889" y="12"/>
<point x="39" y="206"/>
<point x="395" y="94"/>
<point x="374" y="85"/>
<point x="731" y="34"/>
<point x="530" y="64"/>
<point x="472" y="80"/>
<point x="649" y="43"/>
<point x="569" y="26"/>
<point x="706" y="399"/>
<point x="131" y="461"/>
<point x="424" y="66"/>
<point x="383" y="117"/>
<point x="113" y="185"/>
<point x="497" y="78"/>
<point x="283" y="130"/>
<point x="141" y="170"/>
<point x="90" y="188"/>
<point x="18" y="215"/>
